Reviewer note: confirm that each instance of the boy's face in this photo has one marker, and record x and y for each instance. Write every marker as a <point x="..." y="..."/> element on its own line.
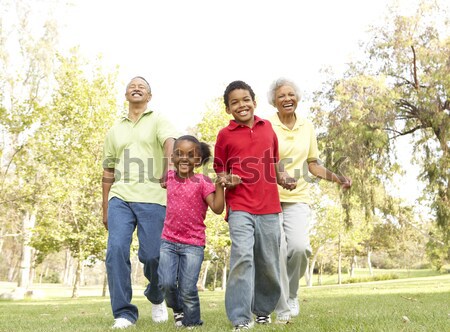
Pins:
<point x="241" y="106"/>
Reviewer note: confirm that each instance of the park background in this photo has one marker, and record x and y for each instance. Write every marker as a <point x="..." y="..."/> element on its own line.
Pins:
<point x="375" y="79"/>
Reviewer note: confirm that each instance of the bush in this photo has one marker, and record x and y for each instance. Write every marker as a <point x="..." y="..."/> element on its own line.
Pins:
<point x="51" y="279"/>
<point x="386" y="276"/>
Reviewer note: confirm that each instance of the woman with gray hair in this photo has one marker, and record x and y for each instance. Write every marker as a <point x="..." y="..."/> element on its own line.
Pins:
<point x="299" y="154"/>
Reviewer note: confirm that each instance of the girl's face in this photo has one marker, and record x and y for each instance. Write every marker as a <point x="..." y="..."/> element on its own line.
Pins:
<point x="185" y="158"/>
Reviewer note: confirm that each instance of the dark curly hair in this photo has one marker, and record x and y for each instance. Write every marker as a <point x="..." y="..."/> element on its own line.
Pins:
<point x="234" y="86"/>
<point x="204" y="148"/>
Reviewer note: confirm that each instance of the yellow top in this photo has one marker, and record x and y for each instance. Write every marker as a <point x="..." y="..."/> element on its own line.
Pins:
<point x="297" y="146"/>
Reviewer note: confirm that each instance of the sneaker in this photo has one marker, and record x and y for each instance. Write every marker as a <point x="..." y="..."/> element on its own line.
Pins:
<point x="122" y="323"/>
<point x="263" y="319"/>
<point x="283" y="319"/>
<point x="294" y="306"/>
<point x="159" y="313"/>
<point x="178" y="317"/>
<point x="243" y="327"/>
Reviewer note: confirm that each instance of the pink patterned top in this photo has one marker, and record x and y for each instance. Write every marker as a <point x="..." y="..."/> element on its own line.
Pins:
<point x="186" y="208"/>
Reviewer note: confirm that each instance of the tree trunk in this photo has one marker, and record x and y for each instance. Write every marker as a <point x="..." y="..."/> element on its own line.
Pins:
<point x="67" y="264"/>
<point x="105" y="283"/>
<point x="312" y="263"/>
<point x="224" y="276"/>
<point x="319" y="276"/>
<point x="352" y="266"/>
<point x="204" y="275"/>
<point x="369" y="261"/>
<point x="216" y="268"/>
<point x="28" y="223"/>
<point x="339" y="260"/>
<point x="76" y="284"/>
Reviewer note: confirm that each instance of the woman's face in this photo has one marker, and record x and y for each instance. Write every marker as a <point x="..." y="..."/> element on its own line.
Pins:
<point x="286" y="99"/>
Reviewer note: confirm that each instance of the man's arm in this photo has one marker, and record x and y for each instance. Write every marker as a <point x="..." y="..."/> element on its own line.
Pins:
<point x="107" y="182"/>
<point x="167" y="162"/>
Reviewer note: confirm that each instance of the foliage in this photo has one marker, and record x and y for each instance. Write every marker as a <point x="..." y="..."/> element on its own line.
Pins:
<point x="72" y="133"/>
<point x="401" y="87"/>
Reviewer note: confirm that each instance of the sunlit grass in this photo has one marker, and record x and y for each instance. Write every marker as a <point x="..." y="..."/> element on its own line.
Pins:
<point x="416" y="304"/>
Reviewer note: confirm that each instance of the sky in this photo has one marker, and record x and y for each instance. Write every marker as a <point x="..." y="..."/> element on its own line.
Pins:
<point x="190" y="50"/>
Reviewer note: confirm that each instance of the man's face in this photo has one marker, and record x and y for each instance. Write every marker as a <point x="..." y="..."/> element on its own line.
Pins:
<point x="138" y="91"/>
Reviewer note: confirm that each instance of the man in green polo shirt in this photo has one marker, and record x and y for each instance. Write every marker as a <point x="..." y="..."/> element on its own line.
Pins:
<point x="137" y="151"/>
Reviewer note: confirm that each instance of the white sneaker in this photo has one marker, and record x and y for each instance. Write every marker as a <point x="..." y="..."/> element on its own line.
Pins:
<point x="294" y="306"/>
<point x="122" y="323"/>
<point x="159" y="313"/>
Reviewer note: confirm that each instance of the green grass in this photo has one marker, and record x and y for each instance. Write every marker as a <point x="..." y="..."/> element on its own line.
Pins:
<point x="374" y="306"/>
<point x="381" y="274"/>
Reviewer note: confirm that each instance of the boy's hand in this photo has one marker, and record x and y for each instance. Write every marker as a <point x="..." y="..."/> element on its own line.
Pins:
<point x="232" y="180"/>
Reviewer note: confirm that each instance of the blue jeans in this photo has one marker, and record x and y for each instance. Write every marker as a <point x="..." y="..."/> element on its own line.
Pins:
<point x="123" y="218"/>
<point x="179" y="268"/>
<point x="254" y="279"/>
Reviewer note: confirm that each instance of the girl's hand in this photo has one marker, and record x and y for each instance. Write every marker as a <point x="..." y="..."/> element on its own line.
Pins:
<point x="232" y="180"/>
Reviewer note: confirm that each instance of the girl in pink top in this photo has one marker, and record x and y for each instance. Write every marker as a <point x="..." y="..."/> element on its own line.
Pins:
<point x="183" y="237"/>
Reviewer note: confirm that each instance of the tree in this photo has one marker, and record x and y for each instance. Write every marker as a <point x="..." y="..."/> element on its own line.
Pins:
<point x="24" y="82"/>
<point x="401" y="87"/>
<point x="72" y="133"/>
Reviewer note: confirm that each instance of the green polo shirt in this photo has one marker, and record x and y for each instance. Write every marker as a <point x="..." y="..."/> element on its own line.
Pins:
<point x="135" y="151"/>
<point x="296" y="147"/>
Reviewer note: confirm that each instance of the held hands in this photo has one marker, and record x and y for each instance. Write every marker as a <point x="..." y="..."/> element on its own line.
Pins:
<point x="229" y="181"/>
<point x="287" y="182"/>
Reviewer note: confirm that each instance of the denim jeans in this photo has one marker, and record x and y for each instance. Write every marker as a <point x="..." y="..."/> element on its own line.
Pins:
<point x="254" y="279"/>
<point x="294" y="253"/>
<point x="179" y="268"/>
<point x="123" y="218"/>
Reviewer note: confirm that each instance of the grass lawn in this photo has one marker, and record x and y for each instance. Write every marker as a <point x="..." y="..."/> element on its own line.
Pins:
<point x="414" y="304"/>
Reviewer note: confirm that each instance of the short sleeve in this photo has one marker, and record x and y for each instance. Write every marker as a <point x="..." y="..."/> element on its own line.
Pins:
<point x="313" y="153"/>
<point x="165" y="129"/>
<point x="109" y="154"/>
<point x="220" y="155"/>
<point x="208" y="186"/>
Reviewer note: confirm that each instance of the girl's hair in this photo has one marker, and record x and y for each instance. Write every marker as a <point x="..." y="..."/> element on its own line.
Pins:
<point x="234" y="86"/>
<point x="205" y="150"/>
<point x="278" y="84"/>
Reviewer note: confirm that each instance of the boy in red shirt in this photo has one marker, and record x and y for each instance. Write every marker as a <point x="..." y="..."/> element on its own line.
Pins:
<point x="248" y="147"/>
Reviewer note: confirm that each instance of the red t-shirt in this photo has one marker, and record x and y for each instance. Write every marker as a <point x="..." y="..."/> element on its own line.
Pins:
<point x="250" y="153"/>
<point x="186" y="208"/>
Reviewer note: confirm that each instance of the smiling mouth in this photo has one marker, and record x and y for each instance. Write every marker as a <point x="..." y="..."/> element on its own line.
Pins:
<point x="288" y="105"/>
<point x="136" y="93"/>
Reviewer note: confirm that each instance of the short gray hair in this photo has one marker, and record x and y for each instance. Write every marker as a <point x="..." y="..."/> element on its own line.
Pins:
<point x="278" y="84"/>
